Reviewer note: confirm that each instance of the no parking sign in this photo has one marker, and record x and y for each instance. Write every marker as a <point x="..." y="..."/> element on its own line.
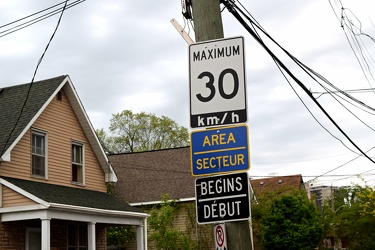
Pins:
<point x="220" y="237"/>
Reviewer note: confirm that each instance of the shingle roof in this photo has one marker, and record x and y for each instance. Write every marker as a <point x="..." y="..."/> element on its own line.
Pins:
<point x="146" y="176"/>
<point x="72" y="196"/>
<point x="11" y="102"/>
<point x="279" y="183"/>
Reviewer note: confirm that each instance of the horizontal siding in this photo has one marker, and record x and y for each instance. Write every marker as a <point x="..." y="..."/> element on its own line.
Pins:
<point x="12" y="198"/>
<point x="62" y="126"/>
<point x="19" y="167"/>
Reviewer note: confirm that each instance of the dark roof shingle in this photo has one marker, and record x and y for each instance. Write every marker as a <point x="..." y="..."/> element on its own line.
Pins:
<point x="278" y="184"/>
<point x="12" y="100"/>
<point x="72" y="196"/>
<point x="147" y="176"/>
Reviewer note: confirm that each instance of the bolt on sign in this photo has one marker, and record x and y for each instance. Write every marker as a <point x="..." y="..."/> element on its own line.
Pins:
<point x="217" y="83"/>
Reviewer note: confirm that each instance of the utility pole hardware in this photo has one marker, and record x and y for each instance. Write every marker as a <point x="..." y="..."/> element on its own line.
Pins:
<point x="208" y="26"/>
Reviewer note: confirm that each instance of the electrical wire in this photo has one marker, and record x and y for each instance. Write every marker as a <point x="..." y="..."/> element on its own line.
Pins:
<point x="37" y="19"/>
<point x="353" y="35"/>
<point x="32" y="80"/>
<point x="232" y="8"/>
<point x="305" y="68"/>
<point x="342" y="165"/>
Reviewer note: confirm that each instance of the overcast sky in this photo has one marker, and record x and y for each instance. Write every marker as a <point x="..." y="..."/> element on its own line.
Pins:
<point x="126" y="55"/>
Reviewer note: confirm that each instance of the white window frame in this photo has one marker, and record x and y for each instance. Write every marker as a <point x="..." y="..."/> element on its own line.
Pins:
<point x="82" y="145"/>
<point x="45" y="135"/>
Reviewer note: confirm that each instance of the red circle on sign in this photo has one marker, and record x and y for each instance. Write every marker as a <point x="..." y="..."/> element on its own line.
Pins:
<point x="219" y="236"/>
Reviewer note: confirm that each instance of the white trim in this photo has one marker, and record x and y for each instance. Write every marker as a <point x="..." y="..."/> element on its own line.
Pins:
<point x="82" y="145"/>
<point x="64" y="214"/>
<point x="98" y="210"/>
<point x="78" y="109"/>
<point x="159" y="202"/>
<point x="22" y="208"/>
<point x="91" y="239"/>
<point x="75" y="102"/>
<point x="145" y="229"/>
<point x="5" y="156"/>
<point x="43" y="133"/>
<point x="46" y="233"/>
<point x="40" y="111"/>
<point x="140" y="237"/>
<point x="23" y="192"/>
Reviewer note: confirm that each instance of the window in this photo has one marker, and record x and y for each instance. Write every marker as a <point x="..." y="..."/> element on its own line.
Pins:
<point x="77" y="237"/>
<point x="38" y="154"/>
<point x="77" y="163"/>
<point x="33" y="239"/>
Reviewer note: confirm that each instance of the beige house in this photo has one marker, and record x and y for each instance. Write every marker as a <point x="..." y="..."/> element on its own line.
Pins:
<point x="53" y="173"/>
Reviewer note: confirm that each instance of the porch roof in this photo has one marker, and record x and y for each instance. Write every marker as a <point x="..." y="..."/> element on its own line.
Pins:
<point x="77" y="197"/>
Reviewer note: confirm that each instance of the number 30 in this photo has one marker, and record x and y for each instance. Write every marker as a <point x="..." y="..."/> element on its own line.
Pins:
<point x="211" y="87"/>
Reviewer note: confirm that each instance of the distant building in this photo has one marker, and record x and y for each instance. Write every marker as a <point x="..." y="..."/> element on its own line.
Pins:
<point x="320" y="193"/>
<point x="277" y="185"/>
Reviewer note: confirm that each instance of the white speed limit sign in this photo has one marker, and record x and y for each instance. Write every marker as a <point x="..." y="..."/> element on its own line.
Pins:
<point x="217" y="83"/>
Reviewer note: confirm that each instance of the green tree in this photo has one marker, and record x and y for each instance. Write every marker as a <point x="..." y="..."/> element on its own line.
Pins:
<point x="119" y="236"/>
<point x="291" y="223"/>
<point x="354" y="220"/>
<point x="132" y="132"/>
<point x="164" y="235"/>
<point x="136" y="132"/>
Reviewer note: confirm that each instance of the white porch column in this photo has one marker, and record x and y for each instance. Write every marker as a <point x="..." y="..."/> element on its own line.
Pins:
<point x="46" y="233"/>
<point x="91" y="236"/>
<point x="140" y="238"/>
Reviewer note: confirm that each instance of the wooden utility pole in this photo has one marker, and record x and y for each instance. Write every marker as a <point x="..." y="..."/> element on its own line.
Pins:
<point x="208" y="25"/>
<point x="207" y="20"/>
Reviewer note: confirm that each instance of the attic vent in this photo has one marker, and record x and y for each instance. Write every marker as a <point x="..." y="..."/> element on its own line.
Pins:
<point x="261" y="183"/>
<point x="59" y="96"/>
<point x="280" y="181"/>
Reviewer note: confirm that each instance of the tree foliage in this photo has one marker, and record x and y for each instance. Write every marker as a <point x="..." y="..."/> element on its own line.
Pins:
<point x="163" y="234"/>
<point x="119" y="236"/>
<point x="291" y="222"/>
<point x="136" y="132"/>
<point x="352" y="217"/>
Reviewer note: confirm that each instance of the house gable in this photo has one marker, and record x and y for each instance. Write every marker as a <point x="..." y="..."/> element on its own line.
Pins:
<point x="54" y="108"/>
<point x="19" y="106"/>
<point x="46" y="140"/>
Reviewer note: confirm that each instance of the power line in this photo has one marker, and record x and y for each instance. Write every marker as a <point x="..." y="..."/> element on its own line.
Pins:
<point x="38" y="18"/>
<point x="32" y="80"/>
<point x="232" y="8"/>
<point x="354" y="36"/>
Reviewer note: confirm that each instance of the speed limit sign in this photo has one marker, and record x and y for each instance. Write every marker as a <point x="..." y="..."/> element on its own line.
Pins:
<point x="217" y="83"/>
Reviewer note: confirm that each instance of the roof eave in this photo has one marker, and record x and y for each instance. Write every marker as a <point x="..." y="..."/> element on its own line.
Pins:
<point x="97" y="210"/>
<point x="7" y="154"/>
<point x="83" y="119"/>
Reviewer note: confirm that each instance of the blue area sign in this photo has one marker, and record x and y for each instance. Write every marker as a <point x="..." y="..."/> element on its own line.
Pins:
<point x="219" y="150"/>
